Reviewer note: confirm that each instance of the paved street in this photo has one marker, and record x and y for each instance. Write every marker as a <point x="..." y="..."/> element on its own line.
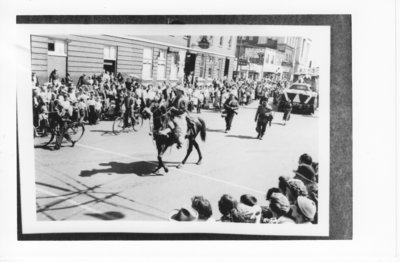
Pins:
<point x="109" y="177"/>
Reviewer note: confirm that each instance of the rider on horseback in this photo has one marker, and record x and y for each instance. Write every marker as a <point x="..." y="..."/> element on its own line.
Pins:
<point x="178" y="116"/>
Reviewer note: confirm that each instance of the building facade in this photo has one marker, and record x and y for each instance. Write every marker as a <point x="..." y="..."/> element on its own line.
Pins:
<point x="300" y="53"/>
<point x="259" y="57"/>
<point x="150" y="58"/>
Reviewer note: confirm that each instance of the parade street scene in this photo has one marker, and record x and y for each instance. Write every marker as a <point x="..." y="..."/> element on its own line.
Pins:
<point x="175" y="128"/>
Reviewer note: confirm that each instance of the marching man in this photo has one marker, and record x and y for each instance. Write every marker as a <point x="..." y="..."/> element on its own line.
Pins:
<point x="231" y="106"/>
<point x="263" y="116"/>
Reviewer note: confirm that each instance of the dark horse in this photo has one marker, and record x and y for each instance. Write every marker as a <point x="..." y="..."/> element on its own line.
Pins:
<point x="160" y="119"/>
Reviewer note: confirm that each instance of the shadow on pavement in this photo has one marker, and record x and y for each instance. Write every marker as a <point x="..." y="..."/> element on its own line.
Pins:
<point x="140" y="168"/>
<point x="277" y="123"/>
<point x="242" y="137"/>
<point x="216" y="130"/>
<point x="107" y="215"/>
<point x="104" y="132"/>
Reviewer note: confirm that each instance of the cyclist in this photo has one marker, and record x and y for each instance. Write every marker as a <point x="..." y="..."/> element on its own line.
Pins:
<point x="129" y="102"/>
<point x="61" y="117"/>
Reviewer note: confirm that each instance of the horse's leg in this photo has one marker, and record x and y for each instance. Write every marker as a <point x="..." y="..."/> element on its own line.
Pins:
<point x="163" y="149"/>
<point x="196" y="145"/>
<point x="189" y="150"/>
<point x="159" y="158"/>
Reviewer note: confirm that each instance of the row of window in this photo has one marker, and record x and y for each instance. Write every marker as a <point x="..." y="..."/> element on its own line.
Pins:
<point x="206" y="69"/>
<point x="58" y="47"/>
<point x="221" y="40"/>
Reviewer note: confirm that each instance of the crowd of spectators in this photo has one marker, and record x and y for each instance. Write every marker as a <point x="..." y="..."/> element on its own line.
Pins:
<point x="99" y="96"/>
<point x="293" y="201"/>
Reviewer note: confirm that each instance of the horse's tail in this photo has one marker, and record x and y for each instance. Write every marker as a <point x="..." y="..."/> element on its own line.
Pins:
<point x="202" y="129"/>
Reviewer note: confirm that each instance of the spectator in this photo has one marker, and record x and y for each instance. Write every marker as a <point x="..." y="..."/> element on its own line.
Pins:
<point x="184" y="214"/>
<point x="280" y="207"/>
<point x="294" y="189"/>
<point x="304" y="210"/>
<point x="203" y="208"/>
<point x="305" y="159"/>
<point x="35" y="80"/>
<point x="53" y="78"/>
<point x="249" y="208"/>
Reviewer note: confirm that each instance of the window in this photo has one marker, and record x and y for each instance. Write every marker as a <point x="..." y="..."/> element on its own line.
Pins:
<point x="221" y="40"/>
<point x="210" y="67"/>
<point x="202" y="66"/>
<point x="174" y="66"/>
<point x="211" y="39"/>
<point x="272" y="59"/>
<point x="51" y="47"/>
<point x="230" y="42"/>
<point x="57" y="47"/>
<point x="267" y="60"/>
<point x="161" y="65"/>
<point x="218" y="69"/>
<point x="147" y="70"/>
<point x="110" y="53"/>
<point x="302" y="48"/>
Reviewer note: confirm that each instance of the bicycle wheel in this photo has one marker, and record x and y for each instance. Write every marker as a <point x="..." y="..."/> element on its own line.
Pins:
<point x="75" y="131"/>
<point x="138" y="122"/>
<point x="118" y="125"/>
<point x="42" y="138"/>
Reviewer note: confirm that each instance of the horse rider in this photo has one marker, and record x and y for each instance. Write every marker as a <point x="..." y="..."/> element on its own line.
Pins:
<point x="178" y="117"/>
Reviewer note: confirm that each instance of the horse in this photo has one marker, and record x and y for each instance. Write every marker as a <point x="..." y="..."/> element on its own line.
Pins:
<point x="160" y="119"/>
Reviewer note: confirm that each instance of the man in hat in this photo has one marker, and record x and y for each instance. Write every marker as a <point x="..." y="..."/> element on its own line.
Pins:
<point x="231" y="106"/>
<point x="178" y="112"/>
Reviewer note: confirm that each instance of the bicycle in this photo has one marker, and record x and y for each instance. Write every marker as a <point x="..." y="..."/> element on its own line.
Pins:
<point x="135" y="122"/>
<point x="45" y="135"/>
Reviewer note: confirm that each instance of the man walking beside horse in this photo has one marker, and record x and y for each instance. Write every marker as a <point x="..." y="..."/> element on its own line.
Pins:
<point x="174" y="126"/>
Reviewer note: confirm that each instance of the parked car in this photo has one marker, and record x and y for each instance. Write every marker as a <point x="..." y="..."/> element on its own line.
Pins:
<point x="302" y="98"/>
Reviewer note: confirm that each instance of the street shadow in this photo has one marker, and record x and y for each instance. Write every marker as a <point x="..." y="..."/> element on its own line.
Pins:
<point x="104" y="132"/>
<point x="51" y="147"/>
<point x="111" y="215"/>
<point x="61" y="197"/>
<point x="242" y="137"/>
<point x="139" y="168"/>
<point x="309" y="116"/>
<point x="216" y="130"/>
<point x="277" y="123"/>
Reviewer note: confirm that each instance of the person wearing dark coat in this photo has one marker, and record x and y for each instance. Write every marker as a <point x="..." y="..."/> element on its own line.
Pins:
<point x="231" y="106"/>
<point x="53" y="76"/>
<point x="263" y="116"/>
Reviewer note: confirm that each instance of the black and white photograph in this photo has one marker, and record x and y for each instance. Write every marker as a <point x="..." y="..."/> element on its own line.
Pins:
<point x="223" y="129"/>
<point x="199" y="131"/>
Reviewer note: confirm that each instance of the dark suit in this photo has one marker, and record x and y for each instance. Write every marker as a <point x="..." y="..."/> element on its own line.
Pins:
<point x="230" y="106"/>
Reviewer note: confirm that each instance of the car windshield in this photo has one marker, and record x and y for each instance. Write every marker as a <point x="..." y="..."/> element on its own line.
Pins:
<point x="300" y="87"/>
